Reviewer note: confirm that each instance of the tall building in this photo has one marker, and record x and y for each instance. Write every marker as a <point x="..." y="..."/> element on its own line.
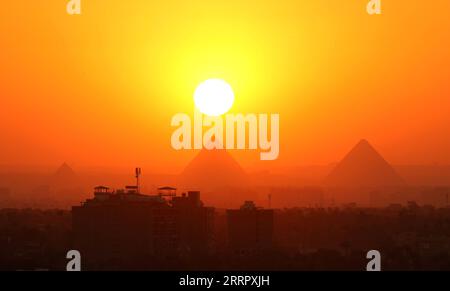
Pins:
<point x="196" y="224"/>
<point x="125" y="226"/>
<point x="250" y="229"/>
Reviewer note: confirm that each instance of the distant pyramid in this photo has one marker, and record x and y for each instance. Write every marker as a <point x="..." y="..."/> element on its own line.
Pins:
<point x="213" y="169"/>
<point x="64" y="175"/>
<point x="363" y="167"/>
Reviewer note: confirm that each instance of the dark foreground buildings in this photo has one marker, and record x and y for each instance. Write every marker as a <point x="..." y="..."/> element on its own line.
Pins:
<point x="250" y="229"/>
<point x="125" y="228"/>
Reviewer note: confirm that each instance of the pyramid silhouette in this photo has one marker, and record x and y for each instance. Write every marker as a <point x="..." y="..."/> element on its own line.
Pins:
<point x="64" y="174"/>
<point x="363" y="166"/>
<point x="213" y="169"/>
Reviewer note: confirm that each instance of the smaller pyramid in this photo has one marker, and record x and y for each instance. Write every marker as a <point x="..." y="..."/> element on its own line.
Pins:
<point x="363" y="166"/>
<point x="64" y="175"/>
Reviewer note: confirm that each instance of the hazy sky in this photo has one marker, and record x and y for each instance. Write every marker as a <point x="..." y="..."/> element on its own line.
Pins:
<point x="99" y="89"/>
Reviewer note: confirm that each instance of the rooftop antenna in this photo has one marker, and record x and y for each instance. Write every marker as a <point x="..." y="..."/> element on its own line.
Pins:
<point x="138" y="174"/>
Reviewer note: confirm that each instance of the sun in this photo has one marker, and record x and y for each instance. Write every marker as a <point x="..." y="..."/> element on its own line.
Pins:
<point x="214" y="97"/>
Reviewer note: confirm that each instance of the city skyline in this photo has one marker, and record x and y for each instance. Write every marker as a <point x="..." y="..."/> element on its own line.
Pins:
<point x="200" y="138"/>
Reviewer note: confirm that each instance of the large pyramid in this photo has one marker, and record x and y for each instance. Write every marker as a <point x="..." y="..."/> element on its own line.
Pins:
<point x="363" y="167"/>
<point x="213" y="169"/>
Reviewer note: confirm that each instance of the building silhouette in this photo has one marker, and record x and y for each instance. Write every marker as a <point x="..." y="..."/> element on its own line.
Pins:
<point x="124" y="227"/>
<point x="250" y="229"/>
<point x="196" y="224"/>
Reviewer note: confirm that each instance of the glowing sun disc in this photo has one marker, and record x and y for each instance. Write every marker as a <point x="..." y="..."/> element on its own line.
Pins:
<point x="214" y="97"/>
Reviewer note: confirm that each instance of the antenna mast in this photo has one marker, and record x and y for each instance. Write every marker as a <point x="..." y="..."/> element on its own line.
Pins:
<point x="138" y="174"/>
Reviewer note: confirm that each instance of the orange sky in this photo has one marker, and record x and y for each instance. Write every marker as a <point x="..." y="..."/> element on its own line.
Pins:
<point x="100" y="89"/>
